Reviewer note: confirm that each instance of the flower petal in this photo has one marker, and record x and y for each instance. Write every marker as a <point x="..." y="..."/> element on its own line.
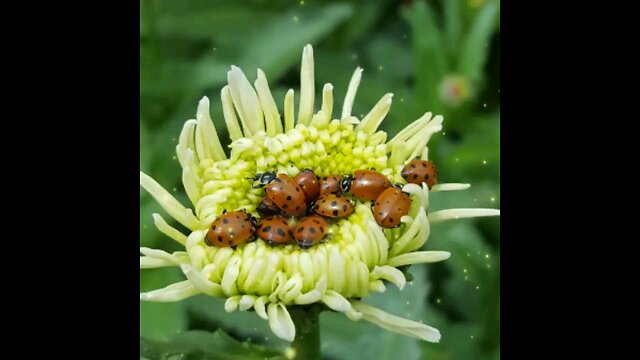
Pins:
<point x="207" y="141"/>
<point x="327" y="102"/>
<point x="419" y="257"/>
<point x="335" y="301"/>
<point x="391" y="274"/>
<point x="289" y="104"/>
<point x="307" y="86"/>
<point x="260" y="308"/>
<point x="351" y="93"/>
<point x="397" y="324"/>
<point x="246" y="102"/>
<point x="169" y="203"/>
<point x="174" y="292"/>
<point x="271" y="114"/>
<point x="280" y="322"/>
<point x="160" y="255"/>
<point x="229" y="113"/>
<point x="450" y="187"/>
<point x="147" y="262"/>
<point x="168" y="230"/>
<point x="201" y="283"/>
<point x="246" y="302"/>
<point x="231" y="304"/>
<point x="373" y="119"/>
<point x="448" y="214"/>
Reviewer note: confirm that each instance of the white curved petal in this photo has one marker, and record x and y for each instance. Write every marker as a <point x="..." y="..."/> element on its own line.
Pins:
<point x="351" y="93"/>
<point x="280" y="322"/>
<point x="390" y="274"/>
<point x="174" y="292"/>
<point x="397" y="324"/>
<point x="161" y="255"/>
<point x="260" y="308"/>
<point x="335" y="301"/>
<point x="307" y="86"/>
<point x="450" y="187"/>
<point x="448" y="214"/>
<point x="327" y="102"/>
<point x="231" y="304"/>
<point x="186" y="142"/>
<point x="373" y="119"/>
<point x="230" y="275"/>
<point x="230" y="118"/>
<point x="412" y="129"/>
<point x="207" y="141"/>
<point x="246" y="302"/>
<point x="153" y="263"/>
<point x="169" y="203"/>
<point x="419" y="257"/>
<point x="271" y="114"/>
<point x="289" y="105"/>
<point x="168" y="230"/>
<point x="246" y="102"/>
<point x="201" y="283"/>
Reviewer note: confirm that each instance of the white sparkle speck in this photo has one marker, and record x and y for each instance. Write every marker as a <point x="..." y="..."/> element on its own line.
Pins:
<point x="484" y="162"/>
<point x="295" y="18"/>
<point x="493" y="199"/>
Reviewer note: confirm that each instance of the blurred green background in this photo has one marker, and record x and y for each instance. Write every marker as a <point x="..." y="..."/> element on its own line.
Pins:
<point x="439" y="56"/>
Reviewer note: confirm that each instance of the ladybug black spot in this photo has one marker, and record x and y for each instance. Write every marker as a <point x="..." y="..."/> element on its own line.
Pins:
<point x="213" y="228"/>
<point x="321" y="229"/>
<point x="424" y="164"/>
<point x="426" y="176"/>
<point x="225" y="221"/>
<point x="316" y="221"/>
<point x="335" y="212"/>
<point x="229" y="242"/>
<point x="312" y="229"/>
<point x="280" y="232"/>
<point x="344" y="207"/>
<point x="220" y="238"/>
<point x="413" y="166"/>
<point x="266" y="229"/>
<point x="288" y="197"/>
<point x="334" y="203"/>
<point x="284" y="206"/>
<point x="415" y="176"/>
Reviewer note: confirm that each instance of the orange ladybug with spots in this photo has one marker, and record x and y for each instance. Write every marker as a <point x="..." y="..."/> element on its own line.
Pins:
<point x="309" y="231"/>
<point x="333" y="206"/>
<point x="267" y="207"/>
<point x="308" y="182"/>
<point x="390" y="206"/>
<point x="365" y="185"/>
<point x="418" y="171"/>
<point x="330" y="184"/>
<point x="283" y="192"/>
<point x="231" y="229"/>
<point x="274" y="230"/>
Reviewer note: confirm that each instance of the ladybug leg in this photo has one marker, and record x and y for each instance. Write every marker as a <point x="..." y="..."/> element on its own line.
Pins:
<point x="234" y="247"/>
<point x="224" y="211"/>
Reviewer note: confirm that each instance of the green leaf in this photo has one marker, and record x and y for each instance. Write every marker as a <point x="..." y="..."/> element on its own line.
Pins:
<point x="475" y="49"/>
<point x="429" y="52"/>
<point x="276" y="45"/>
<point x="362" y="24"/>
<point x="452" y="25"/>
<point x="160" y="320"/>
<point x="174" y="76"/>
<point x="203" y="345"/>
<point x="391" y="59"/>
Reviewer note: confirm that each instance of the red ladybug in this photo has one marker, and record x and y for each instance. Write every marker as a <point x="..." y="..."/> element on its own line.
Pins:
<point x="267" y="207"/>
<point x="308" y="182"/>
<point x="231" y="229"/>
<point x="274" y="230"/>
<point x="330" y="184"/>
<point x="282" y="191"/>
<point x="418" y="171"/>
<point x="390" y="206"/>
<point x="333" y="206"/>
<point x="366" y="185"/>
<point x="310" y="231"/>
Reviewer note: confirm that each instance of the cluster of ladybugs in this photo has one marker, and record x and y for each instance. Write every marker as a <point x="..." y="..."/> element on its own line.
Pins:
<point x="316" y="201"/>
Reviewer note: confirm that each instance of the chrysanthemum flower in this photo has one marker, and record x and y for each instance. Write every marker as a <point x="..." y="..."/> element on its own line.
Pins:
<point x="359" y="257"/>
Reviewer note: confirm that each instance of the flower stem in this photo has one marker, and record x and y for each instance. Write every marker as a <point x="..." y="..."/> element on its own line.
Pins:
<point x="307" y="341"/>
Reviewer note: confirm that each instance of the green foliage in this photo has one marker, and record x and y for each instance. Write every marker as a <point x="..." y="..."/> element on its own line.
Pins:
<point x="202" y="345"/>
<point x="407" y="48"/>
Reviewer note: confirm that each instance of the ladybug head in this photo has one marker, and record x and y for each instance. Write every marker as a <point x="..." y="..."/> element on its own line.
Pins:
<point x="398" y="186"/>
<point x="261" y="180"/>
<point x="253" y="220"/>
<point x="345" y="184"/>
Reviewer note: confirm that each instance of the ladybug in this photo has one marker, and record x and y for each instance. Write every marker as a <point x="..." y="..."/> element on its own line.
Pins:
<point x="308" y="182"/>
<point x="390" y="206"/>
<point x="283" y="192"/>
<point x="330" y="184"/>
<point x="333" y="206"/>
<point x="310" y="230"/>
<point x="418" y="171"/>
<point x="274" y="230"/>
<point x="366" y="185"/>
<point x="231" y="229"/>
<point x="267" y="207"/>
